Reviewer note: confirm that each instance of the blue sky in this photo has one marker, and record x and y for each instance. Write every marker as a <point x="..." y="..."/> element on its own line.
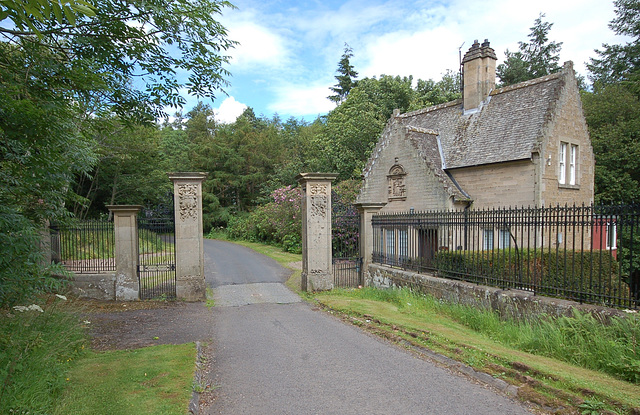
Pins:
<point x="289" y="50"/>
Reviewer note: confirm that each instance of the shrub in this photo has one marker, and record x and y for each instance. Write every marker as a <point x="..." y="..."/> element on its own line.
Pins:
<point x="277" y="222"/>
<point x="23" y="270"/>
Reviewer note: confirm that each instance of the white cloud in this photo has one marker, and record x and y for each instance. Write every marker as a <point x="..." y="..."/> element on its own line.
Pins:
<point x="229" y="110"/>
<point x="291" y="49"/>
<point x="258" y="45"/>
<point x="425" y="55"/>
<point x="301" y="100"/>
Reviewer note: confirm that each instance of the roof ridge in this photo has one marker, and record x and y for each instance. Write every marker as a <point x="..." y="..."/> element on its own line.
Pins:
<point x="430" y="109"/>
<point x="528" y="83"/>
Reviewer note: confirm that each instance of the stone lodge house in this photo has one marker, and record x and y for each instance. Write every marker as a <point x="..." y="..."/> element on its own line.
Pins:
<point x="522" y="145"/>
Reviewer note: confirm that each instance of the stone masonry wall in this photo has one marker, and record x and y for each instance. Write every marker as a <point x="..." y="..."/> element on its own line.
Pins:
<point x="424" y="191"/>
<point x="567" y="125"/>
<point x="509" y="303"/>
<point x="499" y="185"/>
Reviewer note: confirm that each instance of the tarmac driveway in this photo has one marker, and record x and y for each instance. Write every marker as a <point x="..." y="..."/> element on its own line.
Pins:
<point x="273" y="354"/>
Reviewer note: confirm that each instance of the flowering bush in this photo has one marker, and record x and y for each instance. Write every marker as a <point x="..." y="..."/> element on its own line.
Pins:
<point x="277" y="222"/>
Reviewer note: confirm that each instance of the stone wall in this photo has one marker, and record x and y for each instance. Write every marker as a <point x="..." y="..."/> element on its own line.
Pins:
<point x="96" y="286"/>
<point x="499" y="185"/>
<point x="509" y="303"/>
<point x="567" y="125"/>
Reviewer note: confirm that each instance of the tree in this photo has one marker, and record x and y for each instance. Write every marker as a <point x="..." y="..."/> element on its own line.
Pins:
<point x="613" y="117"/>
<point x="346" y="77"/>
<point x="620" y="63"/>
<point x="537" y="58"/>
<point x="428" y="93"/>
<point x="59" y="73"/>
<point x="150" y="41"/>
<point x="24" y="13"/>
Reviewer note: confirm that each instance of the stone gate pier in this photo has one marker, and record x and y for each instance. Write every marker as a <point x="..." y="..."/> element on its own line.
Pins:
<point x="317" y="274"/>
<point x="190" y="283"/>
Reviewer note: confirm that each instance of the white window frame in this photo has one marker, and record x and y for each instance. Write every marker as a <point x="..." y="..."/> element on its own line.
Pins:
<point x="573" y="155"/>
<point x="504" y="239"/>
<point x="403" y="243"/>
<point x="390" y="243"/>
<point x="487" y="239"/>
<point x="562" y="159"/>
<point x="611" y="231"/>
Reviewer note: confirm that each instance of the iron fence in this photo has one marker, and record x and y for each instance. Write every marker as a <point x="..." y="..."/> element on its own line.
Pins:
<point x="157" y="257"/>
<point x="84" y="247"/>
<point x="346" y="260"/>
<point x="589" y="254"/>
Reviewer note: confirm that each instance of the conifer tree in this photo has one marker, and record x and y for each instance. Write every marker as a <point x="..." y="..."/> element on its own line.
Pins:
<point x="538" y="57"/>
<point x="346" y="77"/>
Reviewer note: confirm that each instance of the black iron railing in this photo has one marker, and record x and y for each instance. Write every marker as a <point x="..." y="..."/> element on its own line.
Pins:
<point x="85" y="246"/>
<point x="345" y="243"/>
<point x="157" y="260"/>
<point x="588" y="254"/>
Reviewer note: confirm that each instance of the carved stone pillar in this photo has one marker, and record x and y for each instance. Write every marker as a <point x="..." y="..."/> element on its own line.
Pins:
<point x="187" y="188"/>
<point x="126" y="240"/>
<point x="317" y="273"/>
<point x="367" y="210"/>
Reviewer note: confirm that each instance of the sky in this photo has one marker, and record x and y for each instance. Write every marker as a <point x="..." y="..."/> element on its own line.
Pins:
<point x="288" y="50"/>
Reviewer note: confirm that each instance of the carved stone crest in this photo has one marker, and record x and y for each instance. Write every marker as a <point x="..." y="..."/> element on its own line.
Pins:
<point x="396" y="180"/>
<point x="318" y="206"/>
<point x="318" y="189"/>
<point x="188" y="201"/>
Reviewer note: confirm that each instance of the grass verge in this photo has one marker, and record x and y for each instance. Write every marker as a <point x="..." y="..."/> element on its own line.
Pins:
<point x="39" y="343"/>
<point x="151" y="380"/>
<point x="421" y="322"/>
<point x="46" y="368"/>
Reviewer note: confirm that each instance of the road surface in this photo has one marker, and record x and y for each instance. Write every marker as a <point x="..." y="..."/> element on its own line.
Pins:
<point x="274" y="354"/>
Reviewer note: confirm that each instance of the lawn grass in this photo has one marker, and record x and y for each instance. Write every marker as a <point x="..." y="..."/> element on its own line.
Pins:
<point x="151" y="380"/>
<point x="46" y="367"/>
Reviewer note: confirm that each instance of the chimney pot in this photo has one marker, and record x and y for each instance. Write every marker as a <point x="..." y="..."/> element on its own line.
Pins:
<point x="479" y="74"/>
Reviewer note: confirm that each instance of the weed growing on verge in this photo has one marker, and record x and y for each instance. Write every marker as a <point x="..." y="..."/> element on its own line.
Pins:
<point x="38" y="344"/>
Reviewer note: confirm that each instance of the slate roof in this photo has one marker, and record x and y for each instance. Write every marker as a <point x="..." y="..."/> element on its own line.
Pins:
<point x="508" y="127"/>
<point x="426" y="144"/>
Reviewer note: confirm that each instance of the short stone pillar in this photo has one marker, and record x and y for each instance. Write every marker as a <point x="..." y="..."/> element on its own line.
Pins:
<point x="187" y="188"/>
<point x="317" y="273"/>
<point x="367" y="210"/>
<point x="126" y="244"/>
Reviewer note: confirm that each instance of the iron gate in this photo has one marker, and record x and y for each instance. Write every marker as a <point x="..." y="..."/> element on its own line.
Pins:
<point x="345" y="240"/>
<point x="157" y="264"/>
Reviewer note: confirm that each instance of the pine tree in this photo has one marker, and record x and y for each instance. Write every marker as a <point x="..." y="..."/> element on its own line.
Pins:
<point x="537" y="58"/>
<point x="346" y="77"/>
<point x="620" y="63"/>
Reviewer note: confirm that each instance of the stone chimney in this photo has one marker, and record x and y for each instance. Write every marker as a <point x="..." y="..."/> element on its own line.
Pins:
<point x="479" y="74"/>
